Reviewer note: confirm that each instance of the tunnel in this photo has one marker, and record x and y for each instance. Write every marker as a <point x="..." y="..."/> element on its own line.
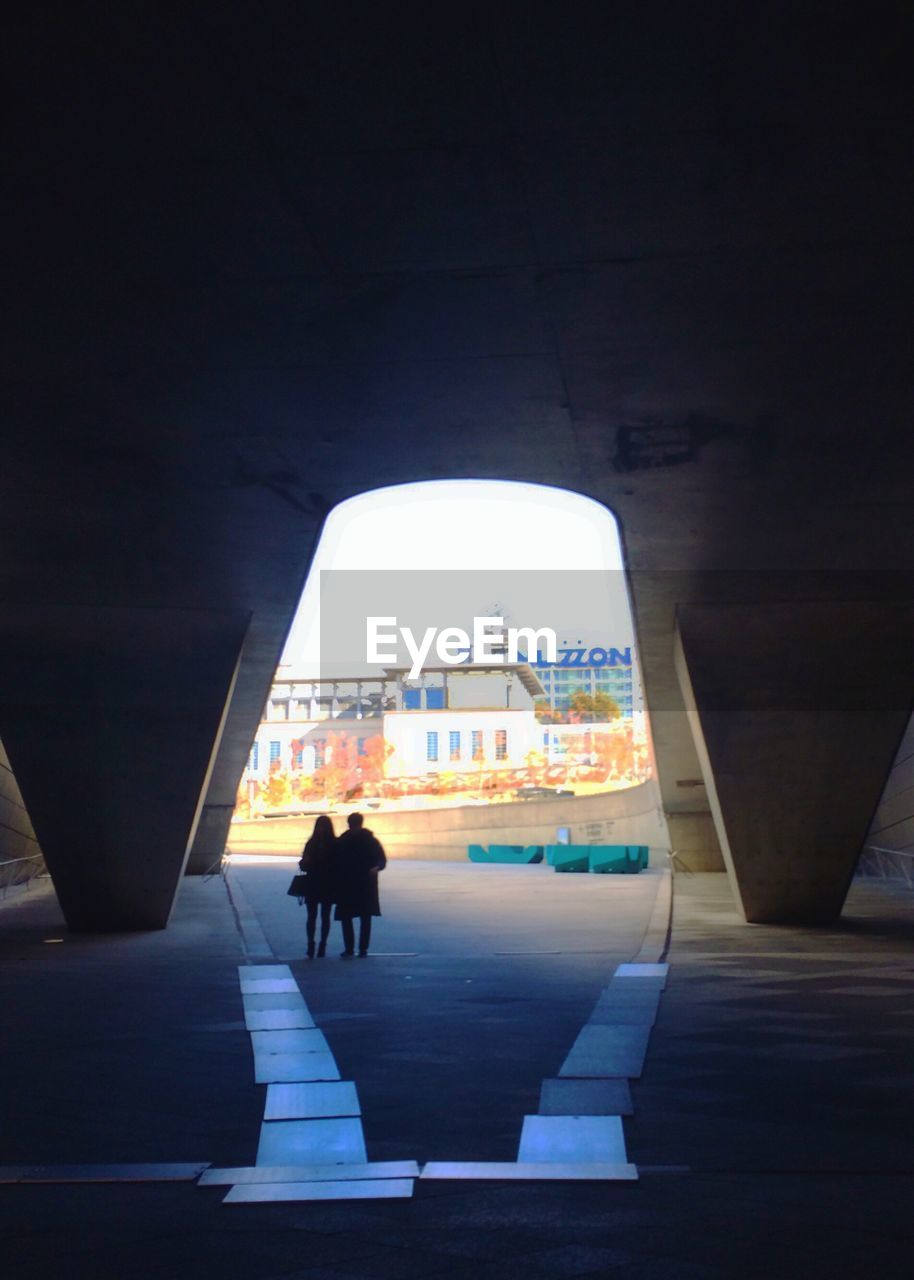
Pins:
<point x="252" y="281"/>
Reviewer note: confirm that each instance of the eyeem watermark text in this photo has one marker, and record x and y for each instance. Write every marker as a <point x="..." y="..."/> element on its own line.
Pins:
<point x="491" y="643"/>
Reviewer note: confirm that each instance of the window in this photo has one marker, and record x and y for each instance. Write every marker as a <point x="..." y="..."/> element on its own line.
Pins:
<point x="298" y="750"/>
<point x="320" y="753"/>
<point x="476" y="742"/>
<point x="431" y="745"/>
<point x="454" y="744"/>
<point x="254" y="762"/>
<point x="274" y="752"/>
<point x="501" y="744"/>
<point x="412" y="699"/>
<point x="434" y="699"/>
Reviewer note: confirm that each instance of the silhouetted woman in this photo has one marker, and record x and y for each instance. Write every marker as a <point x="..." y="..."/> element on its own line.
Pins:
<point x="317" y="861"/>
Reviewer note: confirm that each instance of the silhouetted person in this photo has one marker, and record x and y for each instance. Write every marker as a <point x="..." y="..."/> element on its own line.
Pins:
<point x="318" y="860"/>
<point x="359" y="859"/>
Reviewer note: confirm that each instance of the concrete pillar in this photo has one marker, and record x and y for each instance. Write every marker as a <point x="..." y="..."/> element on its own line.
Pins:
<point x="248" y="700"/>
<point x="112" y="718"/>
<point x="210" y="839"/>
<point x="797" y="711"/>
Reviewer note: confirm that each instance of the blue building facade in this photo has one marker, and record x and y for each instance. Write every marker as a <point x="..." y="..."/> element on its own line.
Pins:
<point x="591" y="669"/>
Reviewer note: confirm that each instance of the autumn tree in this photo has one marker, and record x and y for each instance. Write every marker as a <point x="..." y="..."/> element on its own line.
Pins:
<point x="278" y="790"/>
<point x="337" y="776"/>
<point x="346" y="768"/>
<point x="596" y="708"/>
<point x="376" y="752"/>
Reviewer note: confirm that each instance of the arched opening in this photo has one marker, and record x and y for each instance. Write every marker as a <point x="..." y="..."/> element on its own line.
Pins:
<point x="463" y="660"/>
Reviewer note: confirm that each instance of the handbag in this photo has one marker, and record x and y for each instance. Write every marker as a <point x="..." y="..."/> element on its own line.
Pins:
<point x="297" y="888"/>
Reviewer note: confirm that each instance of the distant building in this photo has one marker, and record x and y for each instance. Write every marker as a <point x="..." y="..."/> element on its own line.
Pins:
<point x="449" y="720"/>
<point x="591" y="669"/>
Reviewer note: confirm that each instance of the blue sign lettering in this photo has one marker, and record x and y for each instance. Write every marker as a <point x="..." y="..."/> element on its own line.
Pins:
<point x="596" y="657"/>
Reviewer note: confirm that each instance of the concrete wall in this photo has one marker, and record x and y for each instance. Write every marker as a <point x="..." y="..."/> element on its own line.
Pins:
<point x="889" y="849"/>
<point x="17" y="837"/>
<point x="632" y="816"/>
<point x="695" y="843"/>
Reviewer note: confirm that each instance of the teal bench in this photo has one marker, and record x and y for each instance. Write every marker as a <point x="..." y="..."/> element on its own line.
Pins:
<point x="516" y="853"/>
<point x="618" y="859"/>
<point x="568" y="857"/>
<point x="602" y="859"/>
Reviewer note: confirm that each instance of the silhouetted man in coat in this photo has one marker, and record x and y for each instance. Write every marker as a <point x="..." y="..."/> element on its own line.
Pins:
<point x="359" y="858"/>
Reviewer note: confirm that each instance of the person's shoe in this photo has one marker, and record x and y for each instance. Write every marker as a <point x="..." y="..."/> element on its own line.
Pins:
<point x="310" y="950"/>
<point x="362" y="955"/>
<point x="346" y="955"/>
<point x="322" y="950"/>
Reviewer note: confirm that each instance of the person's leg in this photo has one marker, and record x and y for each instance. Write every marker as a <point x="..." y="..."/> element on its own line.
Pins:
<point x="364" y="934"/>
<point x="348" y="936"/>
<point x="309" y="926"/>
<point x="325" y="928"/>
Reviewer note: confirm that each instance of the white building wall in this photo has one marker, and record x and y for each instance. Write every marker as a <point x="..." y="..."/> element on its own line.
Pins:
<point x="407" y="732"/>
<point x="285" y="732"/>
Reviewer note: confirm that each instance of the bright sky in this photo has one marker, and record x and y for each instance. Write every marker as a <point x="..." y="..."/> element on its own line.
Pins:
<point x="478" y="525"/>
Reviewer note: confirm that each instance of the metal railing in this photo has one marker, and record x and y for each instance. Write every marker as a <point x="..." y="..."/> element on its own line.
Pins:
<point x="896" y="853"/>
<point x="17" y="872"/>
<point x="879" y="863"/>
<point x="678" y="865"/>
<point x="217" y="868"/>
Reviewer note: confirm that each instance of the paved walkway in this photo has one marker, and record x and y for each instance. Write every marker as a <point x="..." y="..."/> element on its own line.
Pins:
<point x="772" y="1126"/>
<point x="479" y="980"/>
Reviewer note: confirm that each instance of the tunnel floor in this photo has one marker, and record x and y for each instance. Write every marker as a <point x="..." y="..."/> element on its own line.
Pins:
<point x="772" y="1125"/>
<point x="478" y="981"/>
